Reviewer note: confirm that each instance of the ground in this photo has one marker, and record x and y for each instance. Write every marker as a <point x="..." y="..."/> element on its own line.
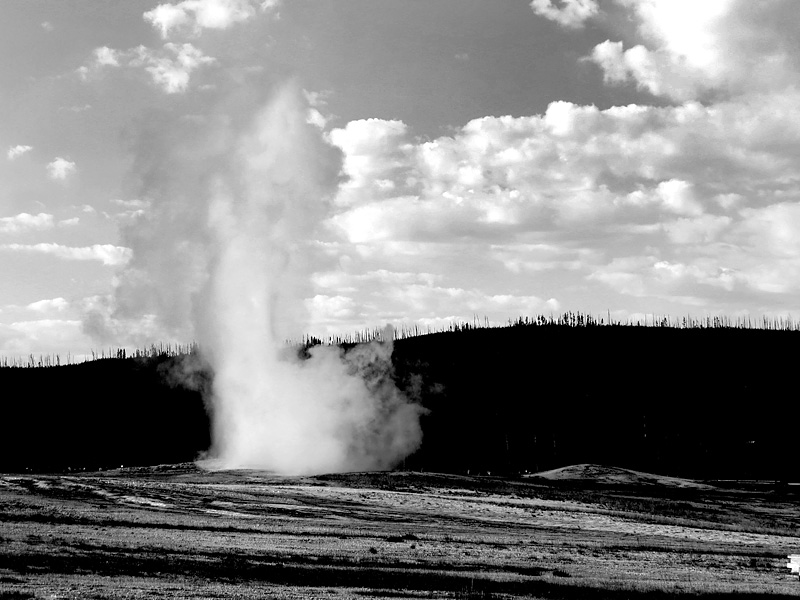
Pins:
<point x="584" y="532"/>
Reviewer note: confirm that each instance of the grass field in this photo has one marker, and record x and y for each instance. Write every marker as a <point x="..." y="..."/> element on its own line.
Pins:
<point x="180" y="532"/>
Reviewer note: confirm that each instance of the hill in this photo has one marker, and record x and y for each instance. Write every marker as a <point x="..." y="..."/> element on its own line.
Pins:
<point x="698" y="403"/>
<point x="588" y="474"/>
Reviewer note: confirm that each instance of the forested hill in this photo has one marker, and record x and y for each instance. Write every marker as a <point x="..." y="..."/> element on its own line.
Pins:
<point x="704" y="402"/>
<point x="713" y="402"/>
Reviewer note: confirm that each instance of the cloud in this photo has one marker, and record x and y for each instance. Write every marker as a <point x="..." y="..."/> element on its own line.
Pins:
<point x="16" y="151"/>
<point x="132" y="204"/>
<point x="573" y="164"/>
<point x="678" y="202"/>
<point x="754" y="254"/>
<point x="61" y="169"/>
<point x="376" y="159"/>
<point x="133" y="209"/>
<point x="48" y="306"/>
<point x="108" y="254"/>
<point x="26" y="222"/>
<point x="402" y="297"/>
<point x="317" y="102"/>
<point x="196" y="15"/>
<point x="683" y="204"/>
<point x="692" y="50"/>
<point x="170" y="68"/>
<point x="45" y="336"/>
<point x="106" y="57"/>
<point x="76" y="108"/>
<point x="571" y="13"/>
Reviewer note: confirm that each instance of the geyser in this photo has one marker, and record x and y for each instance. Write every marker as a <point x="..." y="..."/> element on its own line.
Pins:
<point x="230" y="242"/>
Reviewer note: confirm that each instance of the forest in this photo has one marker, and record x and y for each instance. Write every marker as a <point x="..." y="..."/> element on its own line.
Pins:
<point x="707" y="399"/>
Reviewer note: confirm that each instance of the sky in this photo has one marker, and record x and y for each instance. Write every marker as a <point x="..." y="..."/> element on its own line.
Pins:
<point x="495" y="158"/>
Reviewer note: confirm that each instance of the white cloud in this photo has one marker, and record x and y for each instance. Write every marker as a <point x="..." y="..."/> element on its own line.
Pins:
<point x="376" y="159"/>
<point x="61" y="169"/>
<point x="691" y="49"/>
<point x="45" y="336"/>
<point x="569" y="13"/>
<point x="19" y="150"/>
<point x="106" y="57"/>
<point x="169" y="67"/>
<point x="655" y="202"/>
<point x="331" y="309"/>
<point x="678" y="196"/>
<point x="537" y="258"/>
<point x="26" y="222"/>
<point x="76" y="108"/>
<point x="717" y="259"/>
<point x="690" y="204"/>
<point x="196" y="15"/>
<point x="705" y="229"/>
<point x="108" y="254"/>
<point x="386" y="296"/>
<point x="316" y="118"/>
<point x="49" y="306"/>
<point x="574" y="164"/>
<point x="166" y="17"/>
<point x="132" y="204"/>
<point x="134" y="209"/>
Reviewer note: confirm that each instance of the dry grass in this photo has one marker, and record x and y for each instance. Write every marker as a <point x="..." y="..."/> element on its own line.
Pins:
<point x="190" y="534"/>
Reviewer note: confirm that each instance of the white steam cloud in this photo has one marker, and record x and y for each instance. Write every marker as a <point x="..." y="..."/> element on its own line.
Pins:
<point x="228" y="243"/>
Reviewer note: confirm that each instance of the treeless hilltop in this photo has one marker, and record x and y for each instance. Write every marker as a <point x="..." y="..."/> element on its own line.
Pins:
<point x="589" y="473"/>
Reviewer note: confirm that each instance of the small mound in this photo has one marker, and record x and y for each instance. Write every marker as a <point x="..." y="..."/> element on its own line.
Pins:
<point x="589" y="473"/>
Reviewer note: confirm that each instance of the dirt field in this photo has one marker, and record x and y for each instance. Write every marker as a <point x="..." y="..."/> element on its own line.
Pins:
<point x="179" y="532"/>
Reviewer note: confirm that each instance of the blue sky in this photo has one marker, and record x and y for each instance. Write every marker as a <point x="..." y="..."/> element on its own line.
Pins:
<point x="494" y="158"/>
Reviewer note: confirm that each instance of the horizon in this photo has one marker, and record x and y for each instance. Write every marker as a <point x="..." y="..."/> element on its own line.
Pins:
<point x="599" y="157"/>
<point x="403" y="332"/>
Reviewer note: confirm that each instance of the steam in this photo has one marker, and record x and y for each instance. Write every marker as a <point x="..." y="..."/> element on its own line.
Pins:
<point x="227" y="253"/>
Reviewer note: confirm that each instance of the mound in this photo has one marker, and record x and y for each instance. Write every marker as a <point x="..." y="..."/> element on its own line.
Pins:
<point x="589" y="473"/>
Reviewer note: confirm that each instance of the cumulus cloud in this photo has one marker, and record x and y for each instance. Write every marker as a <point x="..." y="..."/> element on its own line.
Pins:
<point x="108" y="254"/>
<point x="131" y="204"/>
<point x="376" y="159"/>
<point x="317" y="102"/>
<point x="60" y="336"/>
<point x="573" y="165"/>
<point x="687" y="204"/>
<point x="393" y="296"/>
<point x="16" y="151"/>
<point x="170" y="67"/>
<point x="106" y="57"/>
<point x="689" y="201"/>
<point x="26" y="222"/>
<point x="61" y="169"/>
<point x="195" y="15"/>
<point x="569" y="13"/>
<point x="691" y="50"/>
<point x="49" y="305"/>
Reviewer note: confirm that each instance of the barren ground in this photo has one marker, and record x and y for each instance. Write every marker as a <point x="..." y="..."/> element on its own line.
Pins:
<point x="179" y="532"/>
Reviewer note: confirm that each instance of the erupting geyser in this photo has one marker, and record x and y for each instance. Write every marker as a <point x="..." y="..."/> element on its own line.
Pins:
<point x="229" y="243"/>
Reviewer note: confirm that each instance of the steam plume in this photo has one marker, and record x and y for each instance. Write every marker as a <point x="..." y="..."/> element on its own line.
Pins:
<point x="229" y="244"/>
